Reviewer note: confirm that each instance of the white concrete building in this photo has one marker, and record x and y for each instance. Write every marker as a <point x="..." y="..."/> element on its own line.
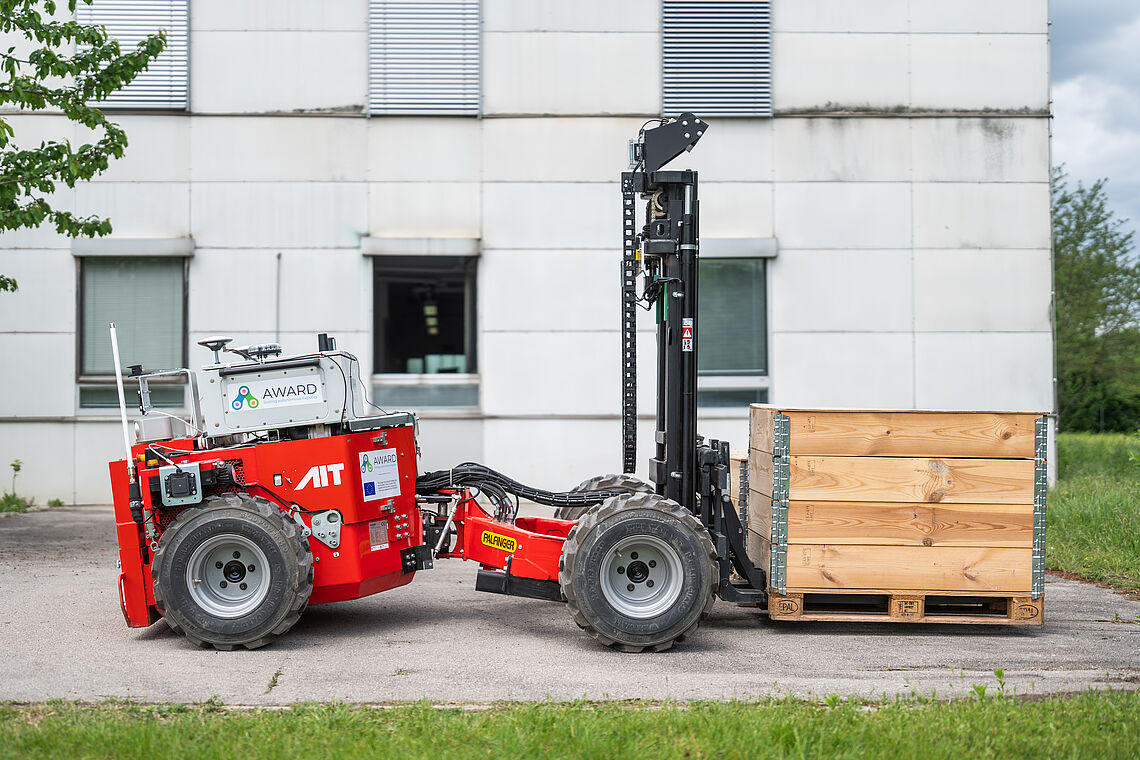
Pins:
<point x="886" y="223"/>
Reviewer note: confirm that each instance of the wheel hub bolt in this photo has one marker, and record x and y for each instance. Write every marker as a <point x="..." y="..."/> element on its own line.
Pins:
<point x="629" y="587"/>
<point x="250" y="568"/>
<point x="621" y="571"/>
<point x="218" y="565"/>
<point x="237" y="555"/>
<point x="633" y="555"/>
<point x="243" y="586"/>
<point x="647" y="583"/>
<point x="223" y="584"/>
<point x="652" y="563"/>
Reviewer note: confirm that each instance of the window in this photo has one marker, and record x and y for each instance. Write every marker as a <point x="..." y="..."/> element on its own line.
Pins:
<point x="716" y="57"/>
<point x="423" y="57"/>
<point x="165" y="83"/>
<point x="732" y="360"/>
<point x="424" y="313"/>
<point x="145" y="296"/>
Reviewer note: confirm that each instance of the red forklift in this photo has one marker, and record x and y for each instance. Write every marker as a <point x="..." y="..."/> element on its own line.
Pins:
<point x="285" y="487"/>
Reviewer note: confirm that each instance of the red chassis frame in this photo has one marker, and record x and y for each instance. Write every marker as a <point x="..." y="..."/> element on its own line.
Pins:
<point x="529" y="548"/>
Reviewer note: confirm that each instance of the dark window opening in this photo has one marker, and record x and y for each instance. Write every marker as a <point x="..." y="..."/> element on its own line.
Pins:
<point x="424" y="314"/>
<point x="732" y="333"/>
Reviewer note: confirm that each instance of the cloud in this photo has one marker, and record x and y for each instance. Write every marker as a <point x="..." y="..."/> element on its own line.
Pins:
<point x="1096" y="97"/>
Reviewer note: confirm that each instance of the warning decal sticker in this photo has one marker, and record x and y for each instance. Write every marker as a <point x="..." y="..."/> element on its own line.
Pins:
<point x="379" y="474"/>
<point x="686" y="333"/>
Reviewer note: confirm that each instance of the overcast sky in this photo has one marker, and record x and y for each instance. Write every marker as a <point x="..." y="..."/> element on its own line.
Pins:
<point x="1096" y="97"/>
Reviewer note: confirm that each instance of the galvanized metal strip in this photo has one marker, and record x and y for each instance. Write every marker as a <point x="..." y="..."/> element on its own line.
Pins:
<point x="781" y="475"/>
<point x="742" y="496"/>
<point x="1040" y="496"/>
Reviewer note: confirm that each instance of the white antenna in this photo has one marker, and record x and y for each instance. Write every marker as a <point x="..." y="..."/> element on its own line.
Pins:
<point x="122" y="400"/>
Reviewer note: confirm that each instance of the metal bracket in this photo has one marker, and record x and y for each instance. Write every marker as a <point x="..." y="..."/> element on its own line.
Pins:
<point x="781" y="475"/>
<point x="742" y="496"/>
<point x="1040" y="494"/>
<point x="326" y="527"/>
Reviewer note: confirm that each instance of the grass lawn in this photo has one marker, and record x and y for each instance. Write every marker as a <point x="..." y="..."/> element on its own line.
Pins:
<point x="1094" y="511"/>
<point x="1091" y="725"/>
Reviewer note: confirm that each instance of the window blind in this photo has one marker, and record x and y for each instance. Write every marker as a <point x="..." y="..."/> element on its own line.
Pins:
<point x="165" y="83"/>
<point x="716" y="57"/>
<point x="144" y="298"/>
<point x="423" y="57"/>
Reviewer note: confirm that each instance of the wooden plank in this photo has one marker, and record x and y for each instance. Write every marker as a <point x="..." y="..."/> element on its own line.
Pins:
<point x="906" y="608"/>
<point x="909" y="606"/>
<point x="902" y="524"/>
<point x="955" y="481"/>
<point x="910" y="568"/>
<point x="759" y="550"/>
<point x="785" y="606"/>
<point x="761" y="418"/>
<point x="912" y="434"/>
<point x="760" y="472"/>
<point x="760" y="513"/>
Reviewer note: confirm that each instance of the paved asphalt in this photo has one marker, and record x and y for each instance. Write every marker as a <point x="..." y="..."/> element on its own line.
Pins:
<point x="62" y="636"/>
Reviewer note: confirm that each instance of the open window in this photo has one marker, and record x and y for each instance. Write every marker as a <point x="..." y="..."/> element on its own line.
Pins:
<point x="424" y="330"/>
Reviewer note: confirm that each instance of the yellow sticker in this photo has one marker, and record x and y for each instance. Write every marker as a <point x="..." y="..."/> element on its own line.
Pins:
<point x="494" y="540"/>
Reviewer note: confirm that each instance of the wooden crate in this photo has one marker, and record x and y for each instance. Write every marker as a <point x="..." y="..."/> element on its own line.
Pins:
<point x="886" y="515"/>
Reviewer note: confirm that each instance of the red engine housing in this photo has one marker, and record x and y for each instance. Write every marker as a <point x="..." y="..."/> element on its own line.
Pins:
<point x="376" y="502"/>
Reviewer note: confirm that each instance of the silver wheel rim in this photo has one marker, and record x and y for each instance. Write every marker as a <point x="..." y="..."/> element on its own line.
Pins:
<point x="641" y="576"/>
<point x="218" y="570"/>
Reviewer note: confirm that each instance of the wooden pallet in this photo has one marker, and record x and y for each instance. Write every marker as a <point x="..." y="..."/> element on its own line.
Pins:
<point x="906" y="607"/>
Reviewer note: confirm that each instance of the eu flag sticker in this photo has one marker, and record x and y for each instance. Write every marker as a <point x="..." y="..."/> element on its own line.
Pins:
<point x="369" y="489"/>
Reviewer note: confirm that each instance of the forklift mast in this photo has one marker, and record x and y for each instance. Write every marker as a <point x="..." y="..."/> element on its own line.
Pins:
<point x="665" y="249"/>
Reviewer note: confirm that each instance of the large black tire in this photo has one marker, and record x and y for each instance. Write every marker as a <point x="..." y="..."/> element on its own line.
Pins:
<point x="623" y="483"/>
<point x="653" y="545"/>
<point x="263" y="582"/>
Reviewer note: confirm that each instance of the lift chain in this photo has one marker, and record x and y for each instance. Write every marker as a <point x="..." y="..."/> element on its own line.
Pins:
<point x="630" y="266"/>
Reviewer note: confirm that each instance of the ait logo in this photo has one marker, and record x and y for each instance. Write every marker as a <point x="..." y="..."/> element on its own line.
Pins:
<point x="244" y="397"/>
<point x="318" y="476"/>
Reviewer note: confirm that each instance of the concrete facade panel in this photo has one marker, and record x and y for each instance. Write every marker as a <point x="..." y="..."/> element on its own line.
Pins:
<point x="279" y="71"/>
<point x="549" y="291"/>
<point x="158" y="149"/>
<point x="96" y="444"/>
<point x="39" y="374"/>
<point x="582" y="16"/>
<point x="840" y="16"/>
<point x="736" y="210"/>
<point x="279" y="15"/>
<point x="571" y="73"/>
<point x="981" y="215"/>
<point x="519" y="214"/>
<point x="734" y="150"/>
<point x="46" y="450"/>
<point x="980" y="150"/>
<point x="45" y="301"/>
<point x="279" y="214"/>
<point x="979" y="71"/>
<point x="572" y="149"/>
<point x="843" y="215"/>
<point x="550" y="373"/>
<point x="1000" y="371"/>
<point x="864" y="71"/>
<point x="409" y="148"/>
<point x="553" y="454"/>
<point x="278" y="148"/>
<point x="447" y="442"/>
<point x="855" y="150"/>
<point x="138" y="209"/>
<point x="832" y="291"/>
<point x="987" y="291"/>
<point x="843" y="369"/>
<point x="424" y="209"/>
<point x="973" y="16"/>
